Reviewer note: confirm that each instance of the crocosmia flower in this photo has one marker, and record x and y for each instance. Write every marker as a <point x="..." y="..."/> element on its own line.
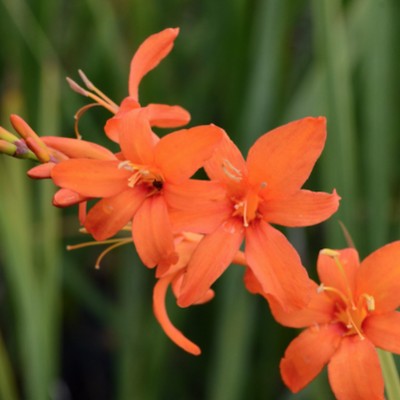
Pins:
<point x="259" y="192"/>
<point x="149" y="54"/>
<point x="351" y="312"/>
<point x="132" y="186"/>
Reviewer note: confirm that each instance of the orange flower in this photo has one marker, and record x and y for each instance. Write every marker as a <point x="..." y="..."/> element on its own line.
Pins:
<point x="133" y="186"/>
<point x="149" y="54"/>
<point x="265" y="189"/>
<point x="172" y="275"/>
<point x="350" y="313"/>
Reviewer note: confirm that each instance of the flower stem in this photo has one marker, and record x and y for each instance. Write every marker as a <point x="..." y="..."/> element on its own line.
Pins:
<point x="390" y="375"/>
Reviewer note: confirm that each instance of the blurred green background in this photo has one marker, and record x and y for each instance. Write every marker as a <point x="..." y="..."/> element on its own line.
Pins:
<point x="68" y="331"/>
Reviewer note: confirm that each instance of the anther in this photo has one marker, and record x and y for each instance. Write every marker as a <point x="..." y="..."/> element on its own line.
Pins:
<point x="231" y="171"/>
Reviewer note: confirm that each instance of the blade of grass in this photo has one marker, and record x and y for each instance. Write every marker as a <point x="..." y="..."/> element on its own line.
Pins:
<point x="339" y="164"/>
<point x="227" y="378"/>
<point x="378" y="120"/>
<point x="8" y="387"/>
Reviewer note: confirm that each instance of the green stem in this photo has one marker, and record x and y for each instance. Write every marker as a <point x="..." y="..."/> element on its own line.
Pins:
<point x="390" y="375"/>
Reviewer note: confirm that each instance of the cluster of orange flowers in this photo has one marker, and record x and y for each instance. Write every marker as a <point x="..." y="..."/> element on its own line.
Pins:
<point x="191" y="230"/>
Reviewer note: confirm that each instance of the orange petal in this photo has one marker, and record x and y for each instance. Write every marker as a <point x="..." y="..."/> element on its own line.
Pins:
<point x="160" y="312"/>
<point x="331" y="274"/>
<point x="277" y="266"/>
<point x="210" y="259"/>
<point x="320" y="310"/>
<point x="108" y="216"/>
<point x="136" y="138"/>
<point x="284" y="157"/>
<point x="42" y="171"/>
<point x="66" y="198"/>
<point x="148" y="56"/>
<point x="176" y="287"/>
<point x="180" y="154"/>
<point x="354" y="371"/>
<point x="185" y="243"/>
<point x="112" y="125"/>
<point x="91" y="178"/>
<point x="152" y="233"/>
<point x="197" y="206"/>
<point x="227" y="161"/>
<point x="77" y="148"/>
<point x="307" y="355"/>
<point x="165" y="116"/>
<point x="383" y="330"/>
<point x="304" y="208"/>
<point x="379" y="276"/>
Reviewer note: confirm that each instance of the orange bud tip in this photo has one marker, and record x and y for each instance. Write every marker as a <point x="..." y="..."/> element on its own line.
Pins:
<point x="39" y="149"/>
<point x="41" y="171"/>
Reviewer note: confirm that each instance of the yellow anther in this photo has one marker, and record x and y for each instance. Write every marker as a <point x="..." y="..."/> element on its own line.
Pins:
<point x="330" y="252"/>
<point x="370" y="302"/>
<point x="231" y="171"/>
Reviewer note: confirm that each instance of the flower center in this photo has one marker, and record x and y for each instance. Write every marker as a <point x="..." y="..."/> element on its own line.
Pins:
<point x="246" y="207"/>
<point x="349" y="312"/>
<point x="142" y="174"/>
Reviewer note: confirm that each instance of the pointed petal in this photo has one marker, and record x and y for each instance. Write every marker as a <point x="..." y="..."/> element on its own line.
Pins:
<point x="180" y="154"/>
<point x="277" y="266"/>
<point x="91" y="178"/>
<point x="160" y="312"/>
<point x="307" y="355"/>
<point x="227" y="159"/>
<point x="78" y="148"/>
<point x="165" y="116"/>
<point x="136" y="138"/>
<point x="379" y="276"/>
<point x="284" y="157"/>
<point x="176" y="287"/>
<point x="111" y="127"/>
<point x="152" y="233"/>
<point x="320" y="310"/>
<point x="210" y="259"/>
<point x="331" y="274"/>
<point x="108" y="216"/>
<point x="304" y="208"/>
<point x="41" y="171"/>
<point x="149" y="55"/>
<point x="354" y="371"/>
<point x="197" y="206"/>
<point x="383" y="330"/>
<point x="66" y="198"/>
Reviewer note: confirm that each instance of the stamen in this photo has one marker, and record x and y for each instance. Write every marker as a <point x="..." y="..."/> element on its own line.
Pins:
<point x="108" y="249"/>
<point x="335" y="255"/>
<point x="126" y="165"/>
<point x="90" y="86"/>
<point x="353" y="325"/>
<point x="245" y="221"/>
<point x="323" y="288"/>
<point x="78" y="116"/>
<point x="370" y="302"/>
<point x="113" y="108"/>
<point x="231" y="171"/>
<point x="114" y="243"/>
